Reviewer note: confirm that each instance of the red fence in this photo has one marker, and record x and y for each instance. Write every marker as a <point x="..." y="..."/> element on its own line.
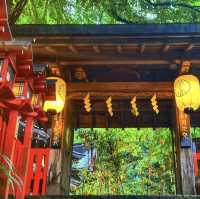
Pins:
<point x="37" y="173"/>
<point x="196" y="158"/>
<point x="3" y="125"/>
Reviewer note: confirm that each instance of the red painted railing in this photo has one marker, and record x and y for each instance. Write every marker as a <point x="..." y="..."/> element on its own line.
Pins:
<point x="196" y="158"/>
<point x="3" y="125"/>
<point x="37" y="173"/>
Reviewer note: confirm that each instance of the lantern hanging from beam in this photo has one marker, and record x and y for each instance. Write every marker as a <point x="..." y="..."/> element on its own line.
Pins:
<point x="57" y="104"/>
<point x="187" y="93"/>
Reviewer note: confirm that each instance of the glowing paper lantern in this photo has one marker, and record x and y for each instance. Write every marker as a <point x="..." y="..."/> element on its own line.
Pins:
<point x="58" y="103"/>
<point x="187" y="93"/>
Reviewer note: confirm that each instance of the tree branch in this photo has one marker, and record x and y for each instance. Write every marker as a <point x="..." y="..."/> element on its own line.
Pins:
<point x="168" y="4"/>
<point x="118" y="17"/>
<point x="17" y="11"/>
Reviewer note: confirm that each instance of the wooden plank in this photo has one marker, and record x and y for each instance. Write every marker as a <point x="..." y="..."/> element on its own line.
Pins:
<point x="121" y="87"/>
<point x="120" y="95"/>
<point x="123" y="119"/>
<point x="111" y="62"/>
<point x="66" y="149"/>
<point x="185" y="180"/>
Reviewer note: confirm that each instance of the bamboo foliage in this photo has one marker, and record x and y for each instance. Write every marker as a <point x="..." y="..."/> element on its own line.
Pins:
<point x="8" y="170"/>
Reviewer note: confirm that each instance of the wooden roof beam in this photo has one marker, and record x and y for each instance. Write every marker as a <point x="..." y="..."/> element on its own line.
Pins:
<point x="119" y="49"/>
<point x="166" y="48"/>
<point x="163" y="90"/>
<point x="189" y="47"/>
<point x="142" y="48"/>
<point x="51" y="50"/>
<point x="73" y="49"/>
<point x="96" y="49"/>
<point x="113" y="62"/>
<point x="120" y="95"/>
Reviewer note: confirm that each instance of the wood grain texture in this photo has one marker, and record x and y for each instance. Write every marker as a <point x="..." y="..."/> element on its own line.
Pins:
<point x="67" y="142"/>
<point x="185" y="179"/>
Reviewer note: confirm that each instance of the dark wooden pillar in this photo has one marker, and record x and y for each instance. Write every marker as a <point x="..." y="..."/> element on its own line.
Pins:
<point x="67" y="142"/>
<point x="185" y="180"/>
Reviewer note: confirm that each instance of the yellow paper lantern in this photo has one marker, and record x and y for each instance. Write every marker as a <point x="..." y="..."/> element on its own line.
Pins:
<point x="187" y="93"/>
<point x="60" y="92"/>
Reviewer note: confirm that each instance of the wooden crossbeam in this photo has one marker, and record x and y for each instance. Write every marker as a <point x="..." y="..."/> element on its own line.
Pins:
<point x="133" y="58"/>
<point x="163" y="90"/>
<point x="115" y="62"/>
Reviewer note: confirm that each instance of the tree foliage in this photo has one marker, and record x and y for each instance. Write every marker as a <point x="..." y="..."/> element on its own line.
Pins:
<point x="129" y="161"/>
<point x="107" y="11"/>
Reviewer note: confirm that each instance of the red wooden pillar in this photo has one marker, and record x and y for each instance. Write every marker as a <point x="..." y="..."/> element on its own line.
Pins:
<point x="26" y="156"/>
<point x="1" y="133"/>
<point x="10" y="141"/>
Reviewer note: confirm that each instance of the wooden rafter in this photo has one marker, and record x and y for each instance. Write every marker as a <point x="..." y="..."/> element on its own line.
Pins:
<point x="119" y="49"/>
<point x="96" y="49"/>
<point x="73" y="49"/>
<point x="189" y="47"/>
<point x="51" y="50"/>
<point x="142" y="48"/>
<point x="166" y="47"/>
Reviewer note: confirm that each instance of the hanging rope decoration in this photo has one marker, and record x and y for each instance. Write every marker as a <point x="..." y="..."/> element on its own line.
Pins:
<point x="154" y="104"/>
<point x="87" y="103"/>
<point x="133" y="103"/>
<point x="134" y="109"/>
<point x="109" y="106"/>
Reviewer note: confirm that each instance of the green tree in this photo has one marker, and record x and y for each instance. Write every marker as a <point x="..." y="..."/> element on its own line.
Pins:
<point x="104" y="11"/>
<point x="129" y="161"/>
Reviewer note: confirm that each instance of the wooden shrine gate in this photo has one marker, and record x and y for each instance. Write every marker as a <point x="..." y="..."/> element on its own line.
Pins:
<point x="126" y="65"/>
<point x="115" y="62"/>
